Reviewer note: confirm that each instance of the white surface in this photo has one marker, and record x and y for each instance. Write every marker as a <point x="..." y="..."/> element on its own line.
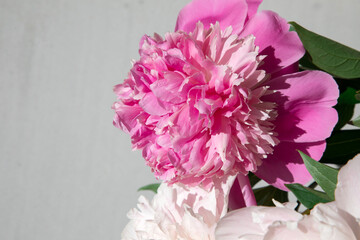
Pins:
<point x="65" y="172"/>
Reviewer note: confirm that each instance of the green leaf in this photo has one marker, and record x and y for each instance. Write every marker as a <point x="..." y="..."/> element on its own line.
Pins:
<point x="354" y="83"/>
<point x="307" y="196"/>
<point x="324" y="175"/>
<point x="264" y="195"/>
<point x="306" y="63"/>
<point x="349" y="96"/>
<point x="356" y="121"/>
<point x="253" y="179"/>
<point x="345" y="113"/>
<point x="330" y="56"/>
<point x="151" y="187"/>
<point x="342" y="146"/>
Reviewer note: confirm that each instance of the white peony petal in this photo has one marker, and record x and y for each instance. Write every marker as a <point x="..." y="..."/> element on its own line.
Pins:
<point x="347" y="193"/>
<point x="252" y="222"/>
<point x="178" y="212"/>
<point x="338" y="220"/>
<point x="334" y="223"/>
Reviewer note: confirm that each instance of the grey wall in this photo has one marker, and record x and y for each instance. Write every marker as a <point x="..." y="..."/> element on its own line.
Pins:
<point x="65" y="172"/>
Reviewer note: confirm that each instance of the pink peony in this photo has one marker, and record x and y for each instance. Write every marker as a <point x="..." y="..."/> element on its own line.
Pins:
<point x="221" y="96"/>
<point x="338" y="220"/>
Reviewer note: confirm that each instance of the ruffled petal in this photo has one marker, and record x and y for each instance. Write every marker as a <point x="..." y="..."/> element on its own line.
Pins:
<point x="227" y="13"/>
<point x="151" y="105"/>
<point x="194" y="102"/>
<point x="305" y="101"/>
<point x="281" y="47"/>
<point x="253" y="222"/>
<point x="334" y="223"/>
<point x="125" y="117"/>
<point x="179" y="212"/>
<point x="348" y="189"/>
<point x="286" y="166"/>
<point x="302" y="230"/>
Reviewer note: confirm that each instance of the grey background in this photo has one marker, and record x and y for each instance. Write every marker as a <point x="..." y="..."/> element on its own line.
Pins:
<point x="65" y="172"/>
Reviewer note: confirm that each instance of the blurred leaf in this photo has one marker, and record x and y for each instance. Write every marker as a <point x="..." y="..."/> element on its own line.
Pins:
<point x="253" y="179"/>
<point x="265" y="195"/>
<point x="291" y="29"/>
<point x="342" y="146"/>
<point x="345" y="113"/>
<point x="330" y="56"/>
<point x="356" y="121"/>
<point x="306" y="63"/>
<point x="354" y="83"/>
<point x="307" y="196"/>
<point x="349" y="96"/>
<point x="324" y="175"/>
<point x="306" y="212"/>
<point x="151" y="187"/>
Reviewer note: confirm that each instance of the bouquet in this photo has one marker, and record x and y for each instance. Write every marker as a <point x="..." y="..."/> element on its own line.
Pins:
<point x="234" y="96"/>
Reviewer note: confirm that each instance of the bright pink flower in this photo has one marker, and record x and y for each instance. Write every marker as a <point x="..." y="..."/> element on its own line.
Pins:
<point x="221" y="96"/>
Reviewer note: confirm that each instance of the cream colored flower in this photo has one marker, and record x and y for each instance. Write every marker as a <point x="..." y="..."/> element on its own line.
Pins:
<point x="338" y="220"/>
<point x="179" y="213"/>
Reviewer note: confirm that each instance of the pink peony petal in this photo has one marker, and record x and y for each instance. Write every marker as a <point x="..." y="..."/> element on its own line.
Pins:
<point x="304" y="106"/>
<point x="125" y="117"/>
<point x="241" y="194"/>
<point x="236" y="198"/>
<point x="306" y="87"/>
<point x="184" y="127"/>
<point x="151" y="104"/>
<point x="286" y="166"/>
<point x="227" y="13"/>
<point x="348" y="189"/>
<point x="289" y="69"/>
<point x="281" y="47"/>
<point x="306" y="123"/>
<point x="167" y="89"/>
<point x="253" y="6"/>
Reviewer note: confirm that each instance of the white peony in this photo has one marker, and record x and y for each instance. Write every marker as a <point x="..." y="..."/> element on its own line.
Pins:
<point x="179" y="213"/>
<point x="338" y="220"/>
